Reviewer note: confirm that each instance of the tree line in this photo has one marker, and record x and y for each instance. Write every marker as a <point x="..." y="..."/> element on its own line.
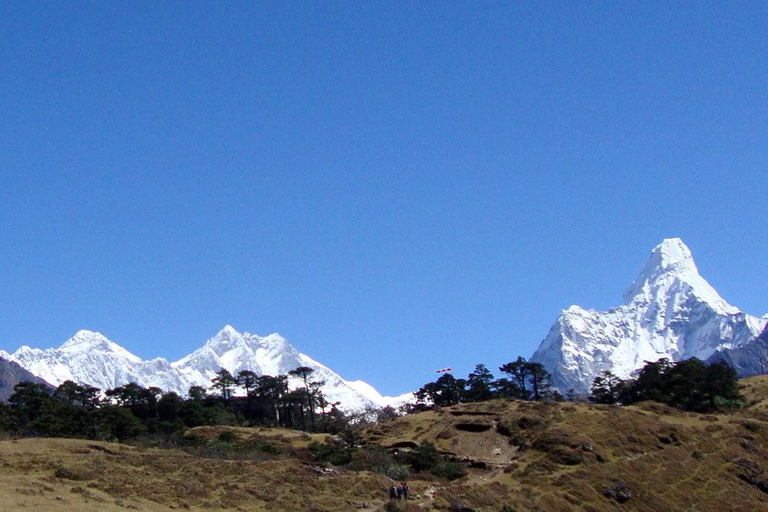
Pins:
<point x="131" y="410"/>
<point x="523" y="380"/>
<point x="247" y="399"/>
<point x="691" y="385"/>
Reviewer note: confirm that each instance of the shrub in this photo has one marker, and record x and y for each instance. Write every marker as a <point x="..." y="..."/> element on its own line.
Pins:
<point x="567" y="457"/>
<point x="424" y="457"/>
<point x="66" y="474"/>
<point x="268" y="448"/>
<point x="332" y="452"/>
<point x="449" y="470"/>
<point x="398" y="472"/>
<point x="227" y="436"/>
<point x="374" y="459"/>
<point x="392" y="506"/>
<point x="192" y="439"/>
<point x="218" y="449"/>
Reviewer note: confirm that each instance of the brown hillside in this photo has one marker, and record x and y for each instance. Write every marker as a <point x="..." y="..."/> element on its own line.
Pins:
<point x="522" y="456"/>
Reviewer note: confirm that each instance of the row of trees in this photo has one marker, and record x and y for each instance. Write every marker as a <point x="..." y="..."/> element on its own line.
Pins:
<point x="691" y="385"/>
<point x="269" y="401"/>
<point x="128" y="411"/>
<point x="248" y="399"/>
<point x="524" y="380"/>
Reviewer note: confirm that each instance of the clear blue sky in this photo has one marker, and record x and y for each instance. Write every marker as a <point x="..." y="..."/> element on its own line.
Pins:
<point x="395" y="187"/>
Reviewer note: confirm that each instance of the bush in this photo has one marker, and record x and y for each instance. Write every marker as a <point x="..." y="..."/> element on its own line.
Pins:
<point x="227" y="436"/>
<point x="449" y="470"/>
<point x="375" y="459"/>
<point x="192" y="439"/>
<point x="331" y="452"/>
<point x="66" y="474"/>
<point x="424" y="457"/>
<point x="398" y="472"/>
<point x="218" y="449"/>
<point x="267" y="448"/>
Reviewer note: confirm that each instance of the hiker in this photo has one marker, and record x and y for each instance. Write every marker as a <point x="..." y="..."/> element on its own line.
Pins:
<point x="406" y="490"/>
<point x="393" y="492"/>
<point x="399" y="492"/>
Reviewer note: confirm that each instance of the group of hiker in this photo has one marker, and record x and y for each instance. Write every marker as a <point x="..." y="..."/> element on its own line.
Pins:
<point x="399" y="492"/>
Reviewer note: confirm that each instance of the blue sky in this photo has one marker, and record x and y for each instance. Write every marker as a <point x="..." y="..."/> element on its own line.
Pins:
<point x="395" y="187"/>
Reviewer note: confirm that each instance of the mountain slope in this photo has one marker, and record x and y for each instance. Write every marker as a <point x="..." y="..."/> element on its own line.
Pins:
<point x="669" y="311"/>
<point x="10" y="375"/>
<point x="748" y="360"/>
<point x="91" y="358"/>
<point x="269" y="355"/>
<point x="522" y="456"/>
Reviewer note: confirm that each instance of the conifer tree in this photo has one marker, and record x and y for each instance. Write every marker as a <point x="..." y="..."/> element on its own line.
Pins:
<point x="225" y="383"/>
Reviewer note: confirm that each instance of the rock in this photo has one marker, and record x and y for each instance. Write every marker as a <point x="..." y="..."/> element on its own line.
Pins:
<point x="618" y="491"/>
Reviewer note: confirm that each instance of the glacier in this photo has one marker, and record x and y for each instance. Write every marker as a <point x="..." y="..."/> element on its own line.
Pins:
<point x="90" y="358"/>
<point x="669" y="311"/>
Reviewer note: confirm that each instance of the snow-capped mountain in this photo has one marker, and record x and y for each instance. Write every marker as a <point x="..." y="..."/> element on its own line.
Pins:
<point x="669" y="311"/>
<point x="91" y="358"/>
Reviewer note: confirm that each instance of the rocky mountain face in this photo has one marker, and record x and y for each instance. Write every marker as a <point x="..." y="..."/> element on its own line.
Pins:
<point x="10" y="375"/>
<point x="750" y="359"/>
<point x="669" y="311"/>
<point x="90" y="358"/>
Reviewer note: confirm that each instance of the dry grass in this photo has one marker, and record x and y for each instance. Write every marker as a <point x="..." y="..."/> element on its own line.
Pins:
<point x="526" y="456"/>
<point x="569" y="456"/>
<point x="64" y="474"/>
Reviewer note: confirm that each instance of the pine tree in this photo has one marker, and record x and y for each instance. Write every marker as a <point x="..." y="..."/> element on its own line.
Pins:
<point x="605" y="388"/>
<point x="225" y="383"/>
<point x="479" y="385"/>
<point x="518" y="373"/>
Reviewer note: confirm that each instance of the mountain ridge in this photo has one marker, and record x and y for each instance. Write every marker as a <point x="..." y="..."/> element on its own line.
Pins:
<point x="90" y="358"/>
<point x="668" y="311"/>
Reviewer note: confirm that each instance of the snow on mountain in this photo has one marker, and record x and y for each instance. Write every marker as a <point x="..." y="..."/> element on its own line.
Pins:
<point x="269" y="355"/>
<point x="370" y="393"/>
<point x="669" y="311"/>
<point x="91" y="358"/>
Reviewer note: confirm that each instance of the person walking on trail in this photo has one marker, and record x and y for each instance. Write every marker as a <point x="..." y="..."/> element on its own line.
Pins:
<point x="393" y="492"/>
<point x="406" y="490"/>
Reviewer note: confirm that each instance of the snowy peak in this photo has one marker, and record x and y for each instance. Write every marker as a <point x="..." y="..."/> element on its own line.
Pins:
<point x="90" y="358"/>
<point x="225" y="340"/>
<point x="671" y="253"/>
<point x="84" y="338"/>
<point x="88" y="341"/>
<point x="669" y="311"/>
<point x="227" y="333"/>
<point x="669" y="260"/>
<point x="671" y="272"/>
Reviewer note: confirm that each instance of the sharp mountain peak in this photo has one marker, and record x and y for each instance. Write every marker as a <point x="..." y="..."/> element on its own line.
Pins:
<point x="669" y="311"/>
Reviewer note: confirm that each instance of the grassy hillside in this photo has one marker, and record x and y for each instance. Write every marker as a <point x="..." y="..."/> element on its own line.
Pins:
<point x="521" y="456"/>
